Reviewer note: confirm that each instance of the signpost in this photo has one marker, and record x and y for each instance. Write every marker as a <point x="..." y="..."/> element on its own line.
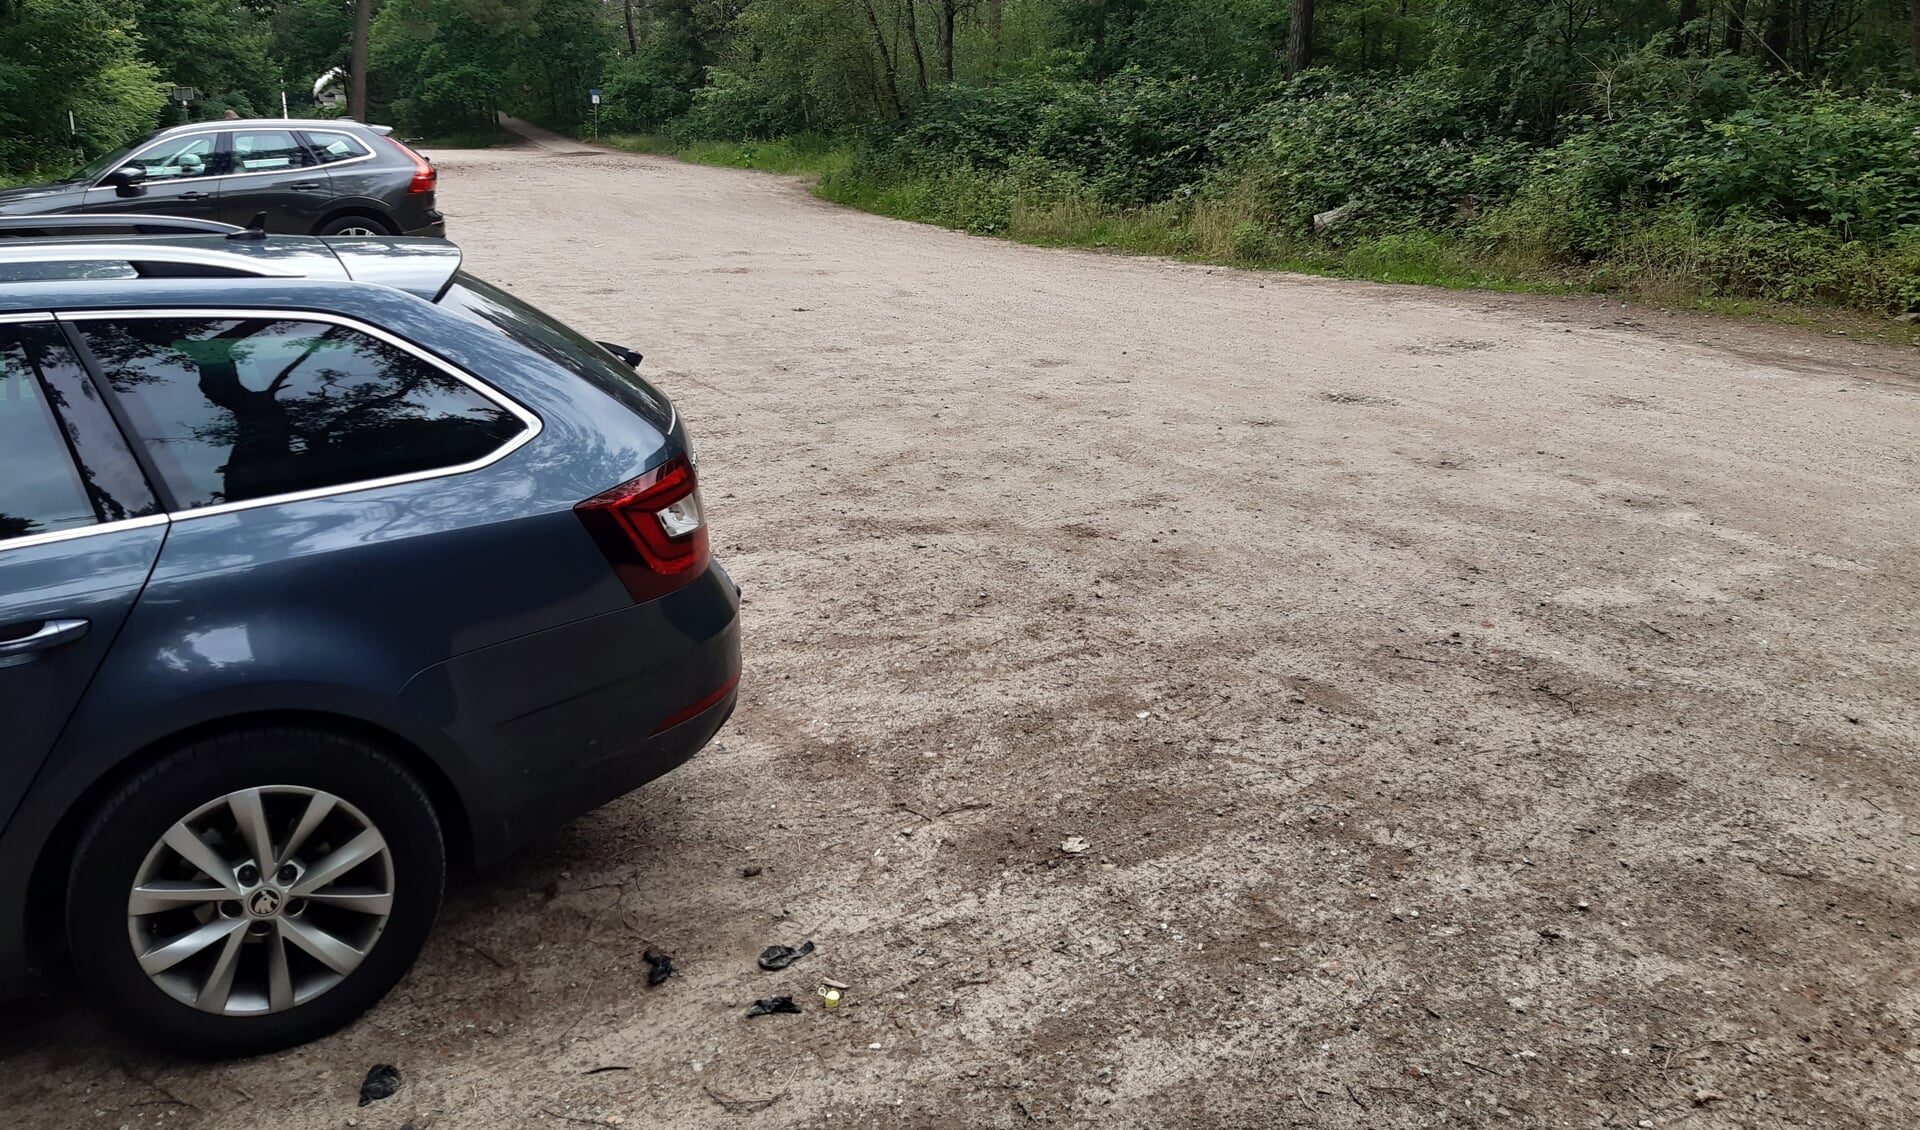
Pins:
<point x="594" y="94"/>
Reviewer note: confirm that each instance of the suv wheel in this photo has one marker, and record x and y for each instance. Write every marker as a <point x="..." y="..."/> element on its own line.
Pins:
<point x="353" y="225"/>
<point x="255" y="890"/>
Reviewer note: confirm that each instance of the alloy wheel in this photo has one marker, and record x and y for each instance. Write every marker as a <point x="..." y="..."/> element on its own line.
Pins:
<point x="260" y="900"/>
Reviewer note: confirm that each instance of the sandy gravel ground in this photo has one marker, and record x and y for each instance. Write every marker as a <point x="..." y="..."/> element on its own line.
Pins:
<point x="1477" y="710"/>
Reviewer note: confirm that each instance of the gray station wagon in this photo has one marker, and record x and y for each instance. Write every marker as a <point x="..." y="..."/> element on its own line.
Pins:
<point x="323" y="565"/>
<point x="319" y="177"/>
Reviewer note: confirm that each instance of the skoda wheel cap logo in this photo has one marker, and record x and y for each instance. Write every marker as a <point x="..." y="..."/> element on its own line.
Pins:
<point x="263" y="903"/>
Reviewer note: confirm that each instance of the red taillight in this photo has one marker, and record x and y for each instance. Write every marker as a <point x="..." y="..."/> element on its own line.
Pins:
<point x="651" y="528"/>
<point x="425" y="176"/>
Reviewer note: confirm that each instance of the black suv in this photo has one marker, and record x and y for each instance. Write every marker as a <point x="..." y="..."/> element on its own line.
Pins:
<point x="318" y="177"/>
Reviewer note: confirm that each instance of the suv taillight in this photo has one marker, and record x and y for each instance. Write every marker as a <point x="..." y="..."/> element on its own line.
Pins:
<point x="651" y="528"/>
<point x="425" y="176"/>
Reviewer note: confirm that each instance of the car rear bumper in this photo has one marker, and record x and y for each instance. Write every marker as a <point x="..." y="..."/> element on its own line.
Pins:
<point x="557" y="723"/>
<point x="436" y="227"/>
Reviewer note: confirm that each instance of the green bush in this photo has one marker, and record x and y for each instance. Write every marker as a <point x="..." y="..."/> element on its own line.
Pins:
<point x="1421" y="151"/>
<point x="1129" y="140"/>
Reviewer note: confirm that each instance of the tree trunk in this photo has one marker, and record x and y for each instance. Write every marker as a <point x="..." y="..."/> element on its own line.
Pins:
<point x="1803" y="38"/>
<point x="949" y="13"/>
<point x="1300" y="38"/>
<point x="633" y="42"/>
<point x="1737" y="27"/>
<point x="886" y="60"/>
<point x="1914" y="34"/>
<point x="913" y="33"/>
<point x="357" y="91"/>
<point x="1778" y="36"/>
<point x="1683" y="41"/>
<point x="996" y="12"/>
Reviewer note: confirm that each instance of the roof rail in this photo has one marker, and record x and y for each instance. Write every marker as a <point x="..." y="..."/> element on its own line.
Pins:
<point x="48" y="225"/>
<point x="147" y="260"/>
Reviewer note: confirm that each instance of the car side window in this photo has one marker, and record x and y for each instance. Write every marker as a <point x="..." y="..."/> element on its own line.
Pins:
<point x="179" y="158"/>
<point x="231" y="410"/>
<point x="264" y="150"/>
<point x="41" y="490"/>
<point x="332" y="148"/>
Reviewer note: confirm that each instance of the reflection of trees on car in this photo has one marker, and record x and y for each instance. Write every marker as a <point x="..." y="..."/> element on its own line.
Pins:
<point x="345" y="407"/>
<point x="12" y="527"/>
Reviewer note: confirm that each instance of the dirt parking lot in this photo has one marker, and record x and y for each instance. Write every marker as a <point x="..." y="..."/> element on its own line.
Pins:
<point x="1477" y="710"/>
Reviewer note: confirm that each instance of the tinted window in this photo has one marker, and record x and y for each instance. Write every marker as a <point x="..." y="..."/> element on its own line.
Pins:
<point x="334" y="147"/>
<point x="115" y="483"/>
<point x="231" y="410"/>
<point x="179" y="157"/>
<point x="40" y="491"/>
<point x="262" y="150"/>
<point x="496" y="309"/>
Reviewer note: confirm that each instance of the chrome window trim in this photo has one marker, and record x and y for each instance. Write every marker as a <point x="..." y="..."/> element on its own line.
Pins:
<point x="317" y="166"/>
<point x="532" y="423"/>
<point x="87" y="531"/>
<point x="367" y="156"/>
<point x="17" y="319"/>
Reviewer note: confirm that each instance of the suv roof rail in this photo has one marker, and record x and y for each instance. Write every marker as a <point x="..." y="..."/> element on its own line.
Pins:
<point x="146" y="260"/>
<point x="48" y="225"/>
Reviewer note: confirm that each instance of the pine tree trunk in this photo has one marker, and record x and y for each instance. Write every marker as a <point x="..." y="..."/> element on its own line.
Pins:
<point x="357" y="92"/>
<point x="633" y="43"/>
<point x="1300" y="38"/>
<point x="1737" y="28"/>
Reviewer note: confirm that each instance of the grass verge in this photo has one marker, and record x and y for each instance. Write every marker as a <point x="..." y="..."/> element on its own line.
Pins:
<point x="1226" y="232"/>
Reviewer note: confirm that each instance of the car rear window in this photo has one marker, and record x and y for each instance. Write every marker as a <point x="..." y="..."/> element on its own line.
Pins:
<point x="333" y="148"/>
<point x="494" y="308"/>
<point x="231" y="410"/>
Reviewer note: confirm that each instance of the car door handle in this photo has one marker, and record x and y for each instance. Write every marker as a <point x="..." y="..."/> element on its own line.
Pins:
<point x="38" y="637"/>
<point x="195" y="195"/>
<point x="305" y="186"/>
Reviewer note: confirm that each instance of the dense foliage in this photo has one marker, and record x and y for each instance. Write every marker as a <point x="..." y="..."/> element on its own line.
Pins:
<point x="1745" y="147"/>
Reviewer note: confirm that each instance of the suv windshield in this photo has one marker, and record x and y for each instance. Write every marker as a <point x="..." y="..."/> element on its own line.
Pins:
<point x="496" y="309"/>
<point x="112" y="159"/>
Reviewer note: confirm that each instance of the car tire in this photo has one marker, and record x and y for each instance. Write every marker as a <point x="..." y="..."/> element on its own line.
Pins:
<point x="248" y="962"/>
<point x="354" y="225"/>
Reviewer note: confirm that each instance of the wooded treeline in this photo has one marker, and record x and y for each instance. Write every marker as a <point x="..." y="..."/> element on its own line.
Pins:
<point x="1754" y="146"/>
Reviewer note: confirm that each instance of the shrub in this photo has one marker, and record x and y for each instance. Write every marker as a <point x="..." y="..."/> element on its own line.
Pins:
<point x="1414" y="152"/>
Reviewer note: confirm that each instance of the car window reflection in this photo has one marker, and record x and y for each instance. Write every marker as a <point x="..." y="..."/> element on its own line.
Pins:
<point x="232" y="410"/>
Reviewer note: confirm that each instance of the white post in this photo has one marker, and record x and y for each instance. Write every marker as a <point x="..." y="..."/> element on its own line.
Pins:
<point x="283" y="105"/>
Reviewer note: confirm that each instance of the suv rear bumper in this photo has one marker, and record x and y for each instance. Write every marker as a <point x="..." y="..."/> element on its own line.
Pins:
<point x="557" y="723"/>
<point x="435" y="227"/>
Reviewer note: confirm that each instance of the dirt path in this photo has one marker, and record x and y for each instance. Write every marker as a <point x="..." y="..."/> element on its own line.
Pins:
<point x="1476" y="709"/>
